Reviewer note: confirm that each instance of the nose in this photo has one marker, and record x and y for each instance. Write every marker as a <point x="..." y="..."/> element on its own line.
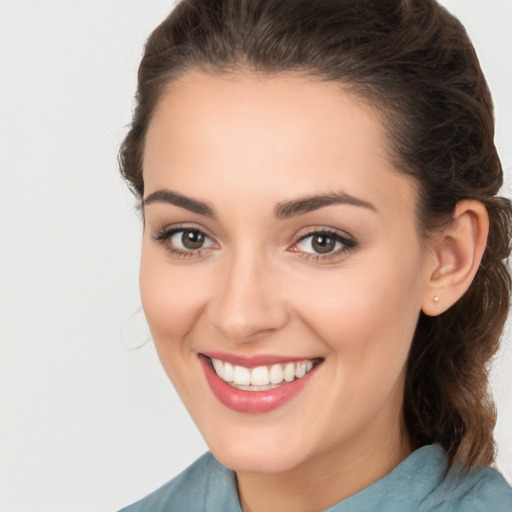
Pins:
<point x="249" y="300"/>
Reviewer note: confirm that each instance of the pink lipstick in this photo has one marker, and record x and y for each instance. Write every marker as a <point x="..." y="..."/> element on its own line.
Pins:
<point x="282" y="387"/>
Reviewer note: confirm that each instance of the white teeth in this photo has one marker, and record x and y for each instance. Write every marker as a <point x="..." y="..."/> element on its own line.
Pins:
<point x="227" y="373"/>
<point x="241" y="376"/>
<point x="289" y="372"/>
<point x="261" y="377"/>
<point x="219" y="367"/>
<point x="301" y="370"/>
<point x="276" y="374"/>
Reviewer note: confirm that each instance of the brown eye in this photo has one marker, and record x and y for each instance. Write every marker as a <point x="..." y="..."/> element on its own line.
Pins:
<point x="320" y="245"/>
<point x="184" y="241"/>
<point x="192" y="239"/>
<point x="323" y="243"/>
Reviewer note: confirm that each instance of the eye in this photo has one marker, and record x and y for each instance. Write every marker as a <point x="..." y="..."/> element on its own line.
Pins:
<point x="184" y="241"/>
<point x="188" y="239"/>
<point x="323" y="245"/>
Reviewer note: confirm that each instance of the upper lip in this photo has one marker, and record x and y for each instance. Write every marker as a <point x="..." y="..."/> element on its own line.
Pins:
<point x="255" y="360"/>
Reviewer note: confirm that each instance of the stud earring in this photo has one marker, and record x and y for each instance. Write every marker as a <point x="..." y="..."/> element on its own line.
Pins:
<point x="436" y="300"/>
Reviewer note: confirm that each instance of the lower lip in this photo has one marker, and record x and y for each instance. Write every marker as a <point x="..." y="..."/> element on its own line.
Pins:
<point x="252" y="402"/>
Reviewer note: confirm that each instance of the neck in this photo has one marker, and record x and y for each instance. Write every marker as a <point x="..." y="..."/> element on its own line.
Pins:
<point x="330" y="477"/>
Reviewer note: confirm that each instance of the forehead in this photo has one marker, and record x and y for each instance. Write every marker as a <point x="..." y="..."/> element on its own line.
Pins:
<point x="257" y="104"/>
<point x="276" y="136"/>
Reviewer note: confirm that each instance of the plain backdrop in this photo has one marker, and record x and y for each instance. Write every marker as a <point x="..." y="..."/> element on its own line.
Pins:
<point x="87" y="422"/>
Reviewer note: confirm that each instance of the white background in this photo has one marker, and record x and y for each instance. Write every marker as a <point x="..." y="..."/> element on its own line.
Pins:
<point x="87" y="423"/>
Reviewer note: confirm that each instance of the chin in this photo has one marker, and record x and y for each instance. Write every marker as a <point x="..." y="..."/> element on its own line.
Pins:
<point x="257" y="462"/>
<point x="257" y="456"/>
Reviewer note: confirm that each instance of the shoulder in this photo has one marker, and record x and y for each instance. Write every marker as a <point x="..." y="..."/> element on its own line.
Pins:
<point x="480" y="490"/>
<point x="490" y="491"/>
<point x="203" y="486"/>
<point x="422" y="484"/>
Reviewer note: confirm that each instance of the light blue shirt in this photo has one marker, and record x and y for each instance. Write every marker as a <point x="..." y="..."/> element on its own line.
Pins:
<point x="418" y="484"/>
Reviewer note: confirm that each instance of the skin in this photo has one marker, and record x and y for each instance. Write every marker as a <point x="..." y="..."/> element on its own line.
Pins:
<point x="243" y="144"/>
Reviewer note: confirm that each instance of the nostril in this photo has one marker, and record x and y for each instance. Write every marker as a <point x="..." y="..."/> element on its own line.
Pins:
<point x="247" y="306"/>
<point x="241" y="325"/>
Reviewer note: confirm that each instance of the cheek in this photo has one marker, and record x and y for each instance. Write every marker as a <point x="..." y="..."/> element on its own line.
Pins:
<point x="171" y="297"/>
<point x="367" y="314"/>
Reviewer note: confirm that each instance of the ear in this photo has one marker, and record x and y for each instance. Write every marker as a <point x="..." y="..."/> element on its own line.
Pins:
<point x="455" y="257"/>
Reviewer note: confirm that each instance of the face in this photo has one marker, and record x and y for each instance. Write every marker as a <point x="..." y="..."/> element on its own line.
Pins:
<point x="280" y="253"/>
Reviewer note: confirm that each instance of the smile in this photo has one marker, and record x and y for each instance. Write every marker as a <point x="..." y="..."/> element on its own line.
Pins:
<point x="261" y="378"/>
<point x="253" y="387"/>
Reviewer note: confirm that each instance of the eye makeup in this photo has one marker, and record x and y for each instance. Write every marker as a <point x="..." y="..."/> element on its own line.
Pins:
<point x="184" y="241"/>
<point x="317" y="244"/>
<point x="323" y="245"/>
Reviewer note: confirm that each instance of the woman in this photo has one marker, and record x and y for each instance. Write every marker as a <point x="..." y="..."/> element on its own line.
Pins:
<point x="323" y="254"/>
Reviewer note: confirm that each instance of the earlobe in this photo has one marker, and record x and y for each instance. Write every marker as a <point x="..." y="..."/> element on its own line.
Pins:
<point x="456" y="254"/>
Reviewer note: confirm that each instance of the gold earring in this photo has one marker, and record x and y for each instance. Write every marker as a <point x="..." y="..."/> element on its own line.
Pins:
<point x="436" y="300"/>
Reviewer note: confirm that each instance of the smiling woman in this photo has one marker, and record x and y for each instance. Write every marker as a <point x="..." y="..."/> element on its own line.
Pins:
<point x="323" y="255"/>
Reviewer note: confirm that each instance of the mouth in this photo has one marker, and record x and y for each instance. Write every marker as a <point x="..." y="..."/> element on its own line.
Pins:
<point x="251" y="386"/>
<point x="262" y="378"/>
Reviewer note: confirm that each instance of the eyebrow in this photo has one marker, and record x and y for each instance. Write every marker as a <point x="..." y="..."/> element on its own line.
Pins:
<point x="282" y="210"/>
<point x="168" y="196"/>
<point x="287" y="209"/>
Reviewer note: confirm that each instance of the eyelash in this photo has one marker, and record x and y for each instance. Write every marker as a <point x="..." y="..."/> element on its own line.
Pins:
<point x="347" y="244"/>
<point x="163" y="237"/>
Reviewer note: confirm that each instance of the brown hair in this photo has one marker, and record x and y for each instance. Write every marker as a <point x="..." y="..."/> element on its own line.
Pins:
<point x="415" y="62"/>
